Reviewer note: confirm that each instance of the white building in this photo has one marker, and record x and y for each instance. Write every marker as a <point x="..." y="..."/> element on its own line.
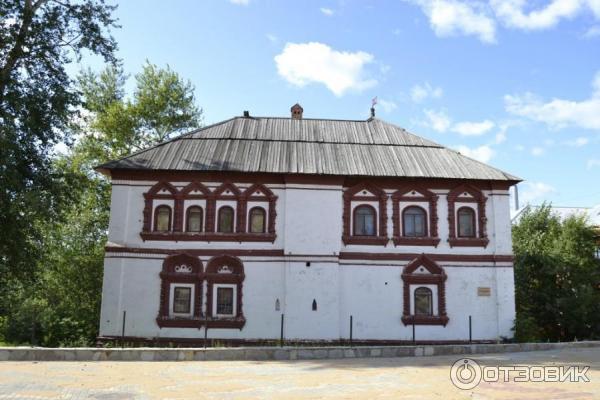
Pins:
<point x="230" y="226"/>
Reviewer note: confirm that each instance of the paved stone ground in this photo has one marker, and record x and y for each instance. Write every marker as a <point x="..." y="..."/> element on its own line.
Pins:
<point x="375" y="378"/>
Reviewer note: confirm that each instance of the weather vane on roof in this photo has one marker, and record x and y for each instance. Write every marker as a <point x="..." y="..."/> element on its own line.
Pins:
<point x="373" y="102"/>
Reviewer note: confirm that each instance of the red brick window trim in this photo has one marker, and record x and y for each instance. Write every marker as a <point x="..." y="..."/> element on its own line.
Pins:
<point x="414" y="197"/>
<point x="226" y="270"/>
<point x="258" y="193"/>
<point x="210" y="230"/>
<point x="365" y="192"/>
<point x="467" y="194"/>
<point x="185" y="270"/>
<point x="433" y="274"/>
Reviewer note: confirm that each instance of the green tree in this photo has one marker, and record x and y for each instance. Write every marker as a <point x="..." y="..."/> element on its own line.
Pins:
<point x="68" y="283"/>
<point x="556" y="277"/>
<point x="37" y="98"/>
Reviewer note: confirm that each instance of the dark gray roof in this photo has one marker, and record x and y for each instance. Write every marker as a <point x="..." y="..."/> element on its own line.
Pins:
<point x="308" y="146"/>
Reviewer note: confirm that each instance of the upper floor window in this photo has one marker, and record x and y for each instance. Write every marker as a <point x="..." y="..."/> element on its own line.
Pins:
<point x="364" y="221"/>
<point x="466" y="222"/>
<point x="225" y="221"/>
<point x="423" y="301"/>
<point x="194" y="219"/>
<point x="162" y="219"/>
<point x="257" y="220"/>
<point x="414" y="222"/>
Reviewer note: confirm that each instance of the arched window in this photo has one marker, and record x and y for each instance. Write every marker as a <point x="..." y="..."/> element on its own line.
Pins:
<point x="414" y="222"/>
<point x="364" y="221"/>
<point x="257" y="220"/>
<point x="162" y="219"/>
<point x="466" y="222"/>
<point x="225" y="221"/>
<point x="423" y="301"/>
<point x="194" y="219"/>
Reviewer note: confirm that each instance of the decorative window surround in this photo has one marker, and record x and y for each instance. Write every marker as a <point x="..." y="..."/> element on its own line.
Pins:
<point x="162" y="190"/>
<point x="186" y="270"/>
<point x="434" y="275"/>
<point x="467" y="194"/>
<point x="420" y="195"/>
<point x="259" y="193"/>
<point x="356" y="193"/>
<point x="226" y="270"/>
<point x="195" y="190"/>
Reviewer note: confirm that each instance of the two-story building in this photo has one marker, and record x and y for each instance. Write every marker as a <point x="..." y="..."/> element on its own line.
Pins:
<point x="220" y="231"/>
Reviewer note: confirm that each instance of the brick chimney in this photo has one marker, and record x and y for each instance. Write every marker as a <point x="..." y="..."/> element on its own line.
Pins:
<point x="296" y="111"/>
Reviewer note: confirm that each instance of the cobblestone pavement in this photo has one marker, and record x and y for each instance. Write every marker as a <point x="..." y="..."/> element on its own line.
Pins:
<point x="376" y="378"/>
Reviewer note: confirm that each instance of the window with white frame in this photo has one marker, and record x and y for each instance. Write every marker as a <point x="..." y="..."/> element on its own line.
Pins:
<point x="225" y="296"/>
<point x="182" y="299"/>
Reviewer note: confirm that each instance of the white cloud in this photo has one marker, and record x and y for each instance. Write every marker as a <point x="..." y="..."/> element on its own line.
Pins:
<point x="520" y="147"/>
<point x="387" y="105"/>
<point x="437" y="120"/>
<point x="480" y="18"/>
<point x="303" y="63"/>
<point x="536" y="191"/>
<point x="272" y="38"/>
<point x="418" y="93"/>
<point x="593" y="163"/>
<point x="481" y="153"/>
<point x="240" y="2"/>
<point x="327" y="11"/>
<point x="537" y="151"/>
<point x="592" y="32"/>
<point x="578" y="142"/>
<point x="512" y="13"/>
<point x="473" y="128"/>
<point x="558" y="113"/>
<point x="452" y="17"/>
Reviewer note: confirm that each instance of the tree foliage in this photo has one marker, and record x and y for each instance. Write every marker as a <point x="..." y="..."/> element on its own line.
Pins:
<point x="68" y="282"/>
<point x="37" y="98"/>
<point x="557" y="277"/>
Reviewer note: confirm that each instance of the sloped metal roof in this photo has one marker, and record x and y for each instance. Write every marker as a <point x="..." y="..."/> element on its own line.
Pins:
<point x="308" y="146"/>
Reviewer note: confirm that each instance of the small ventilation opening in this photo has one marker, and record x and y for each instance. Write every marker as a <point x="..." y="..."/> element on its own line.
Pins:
<point x="314" y="305"/>
<point x="308" y="263"/>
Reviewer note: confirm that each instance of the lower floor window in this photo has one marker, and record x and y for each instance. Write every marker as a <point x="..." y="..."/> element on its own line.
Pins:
<point x="423" y="301"/>
<point x="182" y="300"/>
<point x="224" y="301"/>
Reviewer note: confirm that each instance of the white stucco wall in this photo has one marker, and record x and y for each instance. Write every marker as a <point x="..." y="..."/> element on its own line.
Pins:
<point x="309" y="228"/>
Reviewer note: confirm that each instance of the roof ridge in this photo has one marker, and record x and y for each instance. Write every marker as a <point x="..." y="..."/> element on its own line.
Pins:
<point x="434" y="146"/>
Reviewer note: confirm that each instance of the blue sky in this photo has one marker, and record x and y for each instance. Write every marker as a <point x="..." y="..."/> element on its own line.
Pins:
<point x="513" y="83"/>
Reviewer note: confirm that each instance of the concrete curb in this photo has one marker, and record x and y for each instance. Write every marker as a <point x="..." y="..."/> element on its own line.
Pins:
<point x="270" y="353"/>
